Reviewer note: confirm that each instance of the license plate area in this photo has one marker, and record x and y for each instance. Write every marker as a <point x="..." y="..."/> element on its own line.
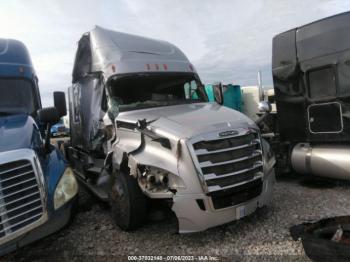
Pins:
<point x="240" y="212"/>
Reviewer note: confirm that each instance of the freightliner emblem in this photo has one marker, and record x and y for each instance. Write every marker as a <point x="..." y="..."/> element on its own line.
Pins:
<point x="228" y="133"/>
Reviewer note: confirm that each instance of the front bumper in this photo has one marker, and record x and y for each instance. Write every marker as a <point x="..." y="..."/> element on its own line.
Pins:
<point x="57" y="134"/>
<point x="56" y="221"/>
<point x="192" y="218"/>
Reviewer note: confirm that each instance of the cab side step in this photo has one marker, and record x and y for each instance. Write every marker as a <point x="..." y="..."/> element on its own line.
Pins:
<point x="101" y="193"/>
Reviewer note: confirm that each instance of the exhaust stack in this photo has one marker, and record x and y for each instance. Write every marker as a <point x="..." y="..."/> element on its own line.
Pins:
<point x="261" y="91"/>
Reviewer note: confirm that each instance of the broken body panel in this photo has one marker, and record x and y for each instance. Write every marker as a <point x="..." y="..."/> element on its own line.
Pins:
<point x="207" y="160"/>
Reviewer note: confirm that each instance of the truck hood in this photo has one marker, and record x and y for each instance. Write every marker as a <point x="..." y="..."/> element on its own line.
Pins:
<point x="17" y="131"/>
<point x="188" y="120"/>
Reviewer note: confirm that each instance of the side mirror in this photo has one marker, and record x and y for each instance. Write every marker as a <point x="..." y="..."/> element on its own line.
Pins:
<point x="264" y="107"/>
<point x="218" y="95"/>
<point x="59" y="99"/>
<point x="49" y="116"/>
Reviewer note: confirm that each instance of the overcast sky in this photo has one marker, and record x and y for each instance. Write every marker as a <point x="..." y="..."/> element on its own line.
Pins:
<point x="227" y="41"/>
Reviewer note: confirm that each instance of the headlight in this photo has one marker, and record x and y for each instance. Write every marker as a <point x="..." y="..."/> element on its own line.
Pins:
<point x="66" y="188"/>
<point x="156" y="179"/>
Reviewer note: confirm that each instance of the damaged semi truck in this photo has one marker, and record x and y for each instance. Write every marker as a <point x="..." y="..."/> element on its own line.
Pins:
<point x="311" y="77"/>
<point x="142" y="130"/>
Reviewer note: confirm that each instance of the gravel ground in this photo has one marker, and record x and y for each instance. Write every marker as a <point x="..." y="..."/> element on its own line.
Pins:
<point x="261" y="236"/>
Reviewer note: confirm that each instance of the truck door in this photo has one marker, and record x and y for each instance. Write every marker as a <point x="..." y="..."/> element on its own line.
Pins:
<point x="323" y="53"/>
<point x="86" y="98"/>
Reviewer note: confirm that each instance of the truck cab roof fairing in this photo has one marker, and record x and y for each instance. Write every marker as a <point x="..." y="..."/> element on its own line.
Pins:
<point x="111" y="52"/>
<point x="310" y="66"/>
<point x="15" y="63"/>
<point x="15" y="60"/>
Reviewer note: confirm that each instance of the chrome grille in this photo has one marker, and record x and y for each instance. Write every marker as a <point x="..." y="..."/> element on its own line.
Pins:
<point x="21" y="203"/>
<point x="229" y="162"/>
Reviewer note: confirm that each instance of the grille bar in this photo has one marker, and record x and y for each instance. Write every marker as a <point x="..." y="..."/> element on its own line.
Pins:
<point x="21" y="222"/>
<point x="21" y="214"/>
<point x="232" y="167"/>
<point x="19" y="207"/>
<point x="213" y="176"/>
<point x="17" y="176"/>
<point x="222" y="143"/>
<point x="19" y="199"/>
<point x="17" y="192"/>
<point x="209" y="164"/>
<point x="14" y="169"/>
<point x="205" y="152"/>
<point x="19" y="183"/>
<point x="219" y="188"/>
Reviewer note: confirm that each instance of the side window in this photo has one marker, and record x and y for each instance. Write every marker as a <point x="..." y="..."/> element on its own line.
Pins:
<point x="322" y="83"/>
<point x="104" y="105"/>
<point x="187" y="90"/>
<point x="191" y="90"/>
<point x="76" y="103"/>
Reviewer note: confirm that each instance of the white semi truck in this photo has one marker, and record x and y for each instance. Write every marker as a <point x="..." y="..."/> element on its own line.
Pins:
<point x="142" y="130"/>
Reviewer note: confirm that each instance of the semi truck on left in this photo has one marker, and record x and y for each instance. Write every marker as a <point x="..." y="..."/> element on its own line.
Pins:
<point x="38" y="190"/>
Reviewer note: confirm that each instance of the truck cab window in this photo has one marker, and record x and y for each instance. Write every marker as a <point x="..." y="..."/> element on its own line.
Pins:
<point x="156" y="90"/>
<point x="104" y="105"/>
<point x="322" y="83"/>
<point x="191" y="90"/>
<point x="17" y="96"/>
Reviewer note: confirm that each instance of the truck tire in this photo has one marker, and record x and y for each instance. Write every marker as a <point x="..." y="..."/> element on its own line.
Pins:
<point x="128" y="203"/>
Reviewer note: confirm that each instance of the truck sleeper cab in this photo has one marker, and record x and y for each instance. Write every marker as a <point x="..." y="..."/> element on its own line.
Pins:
<point x="311" y="80"/>
<point x="142" y="130"/>
<point x="37" y="189"/>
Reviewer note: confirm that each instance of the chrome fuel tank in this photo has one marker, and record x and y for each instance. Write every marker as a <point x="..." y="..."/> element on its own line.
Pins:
<point x="331" y="161"/>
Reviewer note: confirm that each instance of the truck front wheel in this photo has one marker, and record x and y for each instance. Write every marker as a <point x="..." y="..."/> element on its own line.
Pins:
<point x="128" y="203"/>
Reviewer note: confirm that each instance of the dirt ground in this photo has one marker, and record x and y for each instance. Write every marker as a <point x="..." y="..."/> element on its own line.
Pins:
<point x="261" y="236"/>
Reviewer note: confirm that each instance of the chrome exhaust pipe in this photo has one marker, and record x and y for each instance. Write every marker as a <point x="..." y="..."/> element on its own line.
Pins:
<point x="261" y="89"/>
<point x="331" y="161"/>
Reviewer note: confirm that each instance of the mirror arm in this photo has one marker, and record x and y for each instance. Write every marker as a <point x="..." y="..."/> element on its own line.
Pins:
<point x="47" y="138"/>
<point x="261" y="119"/>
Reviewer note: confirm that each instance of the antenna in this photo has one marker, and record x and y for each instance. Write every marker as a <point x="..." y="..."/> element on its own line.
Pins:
<point x="261" y="91"/>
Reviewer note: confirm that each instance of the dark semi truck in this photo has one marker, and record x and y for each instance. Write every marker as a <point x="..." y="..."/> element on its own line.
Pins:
<point x="311" y="74"/>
